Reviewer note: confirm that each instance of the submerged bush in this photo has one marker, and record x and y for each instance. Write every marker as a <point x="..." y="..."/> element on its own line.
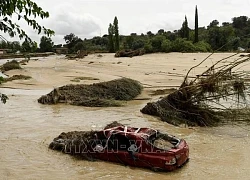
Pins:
<point x="100" y="94"/>
<point x="10" y="65"/>
<point x="17" y="77"/>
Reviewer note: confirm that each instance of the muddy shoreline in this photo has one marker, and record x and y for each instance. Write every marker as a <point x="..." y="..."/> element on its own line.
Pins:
<point x="30" y="55"/>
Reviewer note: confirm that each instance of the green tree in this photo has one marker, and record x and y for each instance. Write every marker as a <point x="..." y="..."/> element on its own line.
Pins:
<point x="101" y="41"/>
<point x="161" y="32"/>
<point x="26" y="46"/>
<point x="23" y="9"/>
<point x="148" y="47"/>
<point x="182" y="45"/>
<point x="228" y="35"/>
<point x="241" y="25"/>
<point x="221" y="38"/>
<point x="137" y="44"/>
<point x="129" y="40"/>
<point x="202" y="46"/>
<point x="226" y="24"/>
<point x="15" y="46"/>
<point x="150" y="34"/>
<point x="214" y="23"/>
<point x="111" y="38"/>
<point x="240" y="22"/>
<point x="196" y="33"/>
<point x="80" y="46"/>
<point x="166" y="46"/>
<point x="156" y="43"/>
<point x="116" y="32"/>
<point x="46" y="44"/>
<point x="171" y="35"/>
<point x="3" y="45"/>
<point x="71" y="40"/>
<point x="186" y="34"/>
<point x="184" y="31"/>
<point x="29" y="46"/>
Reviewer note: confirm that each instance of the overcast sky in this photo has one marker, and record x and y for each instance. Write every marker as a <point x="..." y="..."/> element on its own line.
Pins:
<point x="88" y="18"/>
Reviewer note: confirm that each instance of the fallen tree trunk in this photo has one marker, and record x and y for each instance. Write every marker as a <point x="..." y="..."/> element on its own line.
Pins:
<point x="201" y="100"/>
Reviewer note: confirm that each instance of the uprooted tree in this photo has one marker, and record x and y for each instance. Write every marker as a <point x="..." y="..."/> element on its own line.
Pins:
<point x="218" y="93"/>
<point x="26" y="10"/>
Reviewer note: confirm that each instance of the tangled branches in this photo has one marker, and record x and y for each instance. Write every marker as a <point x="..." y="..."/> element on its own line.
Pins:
<point x="203" y="99"/>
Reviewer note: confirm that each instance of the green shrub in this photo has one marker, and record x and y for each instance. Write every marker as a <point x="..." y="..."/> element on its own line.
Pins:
<point x="148" y="47"/>
<point x="157" y="43"/>
<point x="1" y="79"/>
<point x="166" y="46"/>
<point x="138" y="44"/>
<point x="182" y="45"/>
<point x="202" y="46"/>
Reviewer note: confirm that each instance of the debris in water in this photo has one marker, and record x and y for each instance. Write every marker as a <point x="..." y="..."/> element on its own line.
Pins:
<point x="109" y="93"/>
<point x="200" y="100"/>
<point x="139" y="147"/>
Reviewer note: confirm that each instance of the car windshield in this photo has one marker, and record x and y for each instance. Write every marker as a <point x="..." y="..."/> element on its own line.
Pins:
<point x="163" y="141"/>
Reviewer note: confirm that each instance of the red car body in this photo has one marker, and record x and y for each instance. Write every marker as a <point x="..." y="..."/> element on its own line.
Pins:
<point x="133" y="147"/>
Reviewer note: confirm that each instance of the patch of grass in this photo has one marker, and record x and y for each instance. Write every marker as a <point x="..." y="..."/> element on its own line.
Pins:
<point x="10" y="65"/>
<point x="78" y="79"/>
<point x="1" y="79"/>
<point x="16" y="77"/>
<point x="162" y="92"/>
<point x="75" y="80"/>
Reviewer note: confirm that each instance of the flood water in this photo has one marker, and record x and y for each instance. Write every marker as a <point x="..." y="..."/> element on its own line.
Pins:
<point x="27" y="128"/>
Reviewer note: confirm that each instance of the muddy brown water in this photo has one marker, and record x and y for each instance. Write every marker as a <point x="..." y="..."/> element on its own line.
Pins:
<point x="27" y="128"/>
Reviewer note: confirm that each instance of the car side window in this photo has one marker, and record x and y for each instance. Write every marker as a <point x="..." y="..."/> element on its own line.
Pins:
<point x="119" y="142"/>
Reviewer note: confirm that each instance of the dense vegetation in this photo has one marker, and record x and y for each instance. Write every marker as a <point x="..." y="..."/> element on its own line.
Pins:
<point x="229" y="36"/>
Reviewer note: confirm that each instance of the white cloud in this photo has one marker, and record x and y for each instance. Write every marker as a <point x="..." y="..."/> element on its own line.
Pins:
<point x="82" y="25"/>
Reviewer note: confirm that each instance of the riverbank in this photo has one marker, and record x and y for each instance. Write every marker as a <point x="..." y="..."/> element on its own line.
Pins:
<point x="25" y="55"/>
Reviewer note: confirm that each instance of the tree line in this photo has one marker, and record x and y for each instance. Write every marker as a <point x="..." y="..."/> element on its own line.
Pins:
<point x="228" y="36"/>
<point x="46" y="45"/>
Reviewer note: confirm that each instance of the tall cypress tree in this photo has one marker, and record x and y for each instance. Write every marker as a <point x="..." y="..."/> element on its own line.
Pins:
<point x="196" y="39"/>
<point x="111" y="38"/>
<point x="116" y="32"/>
<point x="186" y="29"/>
<point x="184" y="32"/>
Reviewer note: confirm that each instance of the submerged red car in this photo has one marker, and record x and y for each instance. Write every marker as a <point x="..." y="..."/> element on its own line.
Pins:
<point x="139" y="147"/>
